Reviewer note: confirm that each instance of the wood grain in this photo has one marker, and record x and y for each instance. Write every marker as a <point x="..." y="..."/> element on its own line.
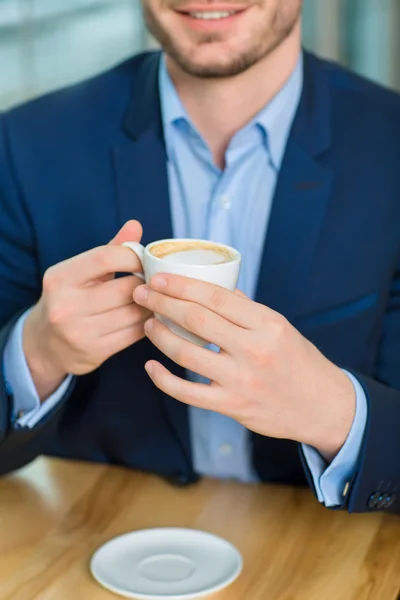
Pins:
<point x="54" y="514"/>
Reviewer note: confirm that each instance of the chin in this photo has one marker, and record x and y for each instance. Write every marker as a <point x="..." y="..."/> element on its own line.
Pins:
<point x="212" y="69"/>
<point x="213" y="63"/>
<point x="210" y="65"/>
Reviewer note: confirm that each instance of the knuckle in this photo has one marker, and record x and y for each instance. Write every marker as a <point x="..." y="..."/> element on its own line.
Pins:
<point x="123" y="290"/>
<point x="263" y="349"/>
<point x="101" y="258"/>
<point x="51" y="280"/>
<point x="218" y="298"/>
<point x="138" y="314"/>
<point x="189" y="398"/>
<point x="61" y="310"/>
<point x="57" y="314"/>
<point x="187" y="359"/>
<point x="247" y="345"/>
<point x="155" y="303"/>
<point x="250" y="381"/>
<point x="128" y="286"/>
<point x="254" y="383"/>
<point x="261" y="356"/>
<point x="258" y="350"/>
<point x="278" y="327"/>
<point x="195" y="319"/>
<point x="137" y="334"/>
<point x="74" y="337"/>
<point x="181" y="357"/>
<point x="234" y="405"/>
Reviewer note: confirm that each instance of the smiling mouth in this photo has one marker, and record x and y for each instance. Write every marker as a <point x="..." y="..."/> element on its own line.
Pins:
<point x="211" y="15"/>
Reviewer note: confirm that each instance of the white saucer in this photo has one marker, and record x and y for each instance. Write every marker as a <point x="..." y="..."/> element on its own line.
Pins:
<point x="166" y="564"/>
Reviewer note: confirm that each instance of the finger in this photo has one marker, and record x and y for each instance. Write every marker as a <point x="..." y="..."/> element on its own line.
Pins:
<point x="116" y="342"/>
<point x="89" y="267"/>
<point x="195" y="394"/>
<point x="191" y="316"/>
<point x="118" y="319"/>
<point x="204" y="362"/>
<point x="241" y="294"/>
<point x="234" y="307"/>
<point x="132" y="231"/>
<point x="113" y="294"/>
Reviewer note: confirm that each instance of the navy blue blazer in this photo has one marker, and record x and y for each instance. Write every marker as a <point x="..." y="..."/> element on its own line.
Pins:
<point x="77" y="164"/>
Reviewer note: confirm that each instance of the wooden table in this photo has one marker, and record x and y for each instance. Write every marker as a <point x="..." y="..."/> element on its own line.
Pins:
<point x="54" y="514"/>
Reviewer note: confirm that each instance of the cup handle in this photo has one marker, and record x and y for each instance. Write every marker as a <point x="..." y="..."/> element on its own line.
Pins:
<point x="138" y="249"/>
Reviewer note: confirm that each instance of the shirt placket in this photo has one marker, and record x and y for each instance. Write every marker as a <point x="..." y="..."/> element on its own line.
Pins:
<point x="218" y="222"/>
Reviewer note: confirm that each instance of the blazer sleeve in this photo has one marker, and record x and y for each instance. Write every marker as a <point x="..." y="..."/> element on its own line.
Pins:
<point x="375" y="482"/>
<point x="20" y="288"/>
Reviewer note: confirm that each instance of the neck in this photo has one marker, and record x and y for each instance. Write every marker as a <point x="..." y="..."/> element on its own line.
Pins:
<point x="220" y="107"/>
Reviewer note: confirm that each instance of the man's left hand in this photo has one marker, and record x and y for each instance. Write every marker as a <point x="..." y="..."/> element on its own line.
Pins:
<point x="266" y="376"/>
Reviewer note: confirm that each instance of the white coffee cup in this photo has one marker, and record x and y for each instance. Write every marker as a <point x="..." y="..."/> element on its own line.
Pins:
<point x="198" y="259"/>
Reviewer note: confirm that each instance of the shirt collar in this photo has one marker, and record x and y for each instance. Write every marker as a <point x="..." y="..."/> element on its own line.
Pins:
<point x="275" y="118"/>
<point x="172" y="109"/>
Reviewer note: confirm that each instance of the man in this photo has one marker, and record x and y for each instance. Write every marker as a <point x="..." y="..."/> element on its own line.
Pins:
<point x="231" y="134"/>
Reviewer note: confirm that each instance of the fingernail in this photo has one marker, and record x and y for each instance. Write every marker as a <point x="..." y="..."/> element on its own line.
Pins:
<point x="148" y="326"/>
<point x="158" y="282"/>
<point x="149" y="368"/>
<point x="140" y="294"/>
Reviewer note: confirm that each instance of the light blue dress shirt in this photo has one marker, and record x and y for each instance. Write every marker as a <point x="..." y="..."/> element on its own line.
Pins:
<point x="233" y="207"/>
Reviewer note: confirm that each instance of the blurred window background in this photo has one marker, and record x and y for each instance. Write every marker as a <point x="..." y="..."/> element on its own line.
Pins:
<point x="47" y="44"/>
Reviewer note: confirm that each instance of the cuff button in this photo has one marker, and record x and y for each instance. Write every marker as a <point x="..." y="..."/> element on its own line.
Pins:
<point x="381" y="501"/>
<point x="390" y="498"/>
<point x="373" y="500"/>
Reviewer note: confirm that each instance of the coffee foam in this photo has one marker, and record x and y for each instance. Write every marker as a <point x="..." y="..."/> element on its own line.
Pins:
<point x="194" y="253"/>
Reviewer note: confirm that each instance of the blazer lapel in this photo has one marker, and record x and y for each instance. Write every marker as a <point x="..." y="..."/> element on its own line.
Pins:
<point x="140" y="161"/>
<point x="301" y="200"/>
<point x="140" y="164"/>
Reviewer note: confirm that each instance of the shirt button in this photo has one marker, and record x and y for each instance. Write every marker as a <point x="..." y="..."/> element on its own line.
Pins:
<point x="225" y="449"/>
<point x="225" y="202"/>
<point x="20" y="414"/>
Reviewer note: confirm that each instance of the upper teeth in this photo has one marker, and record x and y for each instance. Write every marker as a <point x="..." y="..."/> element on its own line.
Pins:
<point x="212" y="15"/>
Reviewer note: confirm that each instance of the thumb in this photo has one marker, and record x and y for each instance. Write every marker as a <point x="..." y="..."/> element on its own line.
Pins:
<point x="132" y="231"/>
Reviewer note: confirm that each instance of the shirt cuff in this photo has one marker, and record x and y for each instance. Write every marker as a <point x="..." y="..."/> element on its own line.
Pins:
<point x="27" y="408"/>
<point x="331" y="481"/>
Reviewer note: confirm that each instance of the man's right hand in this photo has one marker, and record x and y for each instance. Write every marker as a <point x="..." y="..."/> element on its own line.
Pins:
<point x="84" y="315"/>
